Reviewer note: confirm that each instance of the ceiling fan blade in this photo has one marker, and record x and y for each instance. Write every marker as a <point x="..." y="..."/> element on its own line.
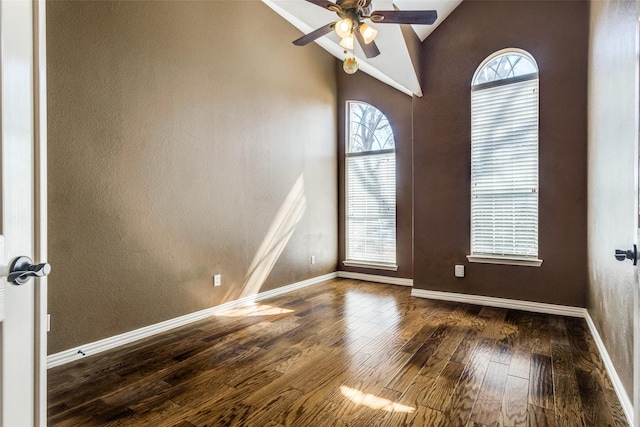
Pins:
<point x="308" y="38"/>
<point x="370" y="50"/>
<point x="415" y="17"/>
<point x="323" y="3"/>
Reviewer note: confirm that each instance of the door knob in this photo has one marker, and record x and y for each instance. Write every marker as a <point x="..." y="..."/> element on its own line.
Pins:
<point x="22" y="269"/>
<point x="630" y="254"/>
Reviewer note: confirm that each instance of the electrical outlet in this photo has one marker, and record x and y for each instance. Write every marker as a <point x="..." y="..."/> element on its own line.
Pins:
<point x="459" y="270"/>
<point x="217" y="280"/>
<point x="313" y="259"/>
<point x="48" y="322"/>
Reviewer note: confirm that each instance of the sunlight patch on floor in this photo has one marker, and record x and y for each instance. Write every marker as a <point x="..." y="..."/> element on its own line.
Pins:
<point x="374" y="402"/>
<point x="254" y="310"/>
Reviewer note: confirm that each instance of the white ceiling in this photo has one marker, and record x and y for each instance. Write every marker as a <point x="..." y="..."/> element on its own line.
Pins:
<point x="393" y="66"/>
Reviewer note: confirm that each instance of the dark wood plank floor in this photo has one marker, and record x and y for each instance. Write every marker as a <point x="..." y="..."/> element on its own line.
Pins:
<point x="347" y="353"/>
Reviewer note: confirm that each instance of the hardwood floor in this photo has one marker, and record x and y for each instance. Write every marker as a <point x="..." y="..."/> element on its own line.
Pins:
<point x="347" y="353"/>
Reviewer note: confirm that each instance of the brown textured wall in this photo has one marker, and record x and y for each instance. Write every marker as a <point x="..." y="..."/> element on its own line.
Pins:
<point x="556" y="34"/>
<point x="612" y="186"/>
<point x="397" y="107"/>
<point x="183" y="142"/>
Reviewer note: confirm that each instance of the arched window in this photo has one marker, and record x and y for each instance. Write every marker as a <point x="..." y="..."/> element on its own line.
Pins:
<point x="504" y="159"/>
<point x="370" y="188"/>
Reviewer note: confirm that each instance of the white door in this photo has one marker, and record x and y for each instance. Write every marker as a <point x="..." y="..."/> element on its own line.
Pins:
<point x="23" y="209"/>
<point x="636" y="311"/>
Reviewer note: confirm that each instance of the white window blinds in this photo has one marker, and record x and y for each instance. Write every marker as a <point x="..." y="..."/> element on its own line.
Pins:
<point x="370" y="187"/>
<point x="371" y="196"/>
<point x="504" y="168"/>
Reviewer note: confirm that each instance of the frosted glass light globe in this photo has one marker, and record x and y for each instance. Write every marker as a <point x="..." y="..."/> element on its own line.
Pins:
<point x="350" y="65"/>
<point x="343" y="28"/>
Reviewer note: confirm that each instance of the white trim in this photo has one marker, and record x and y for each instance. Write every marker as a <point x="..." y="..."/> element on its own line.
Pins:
<point x="41" y="254"/>
<point x="537" y="307"/>
<point x="95" y="347"/>
<point x="495" y="259"/>
<point x="389" y="267"/>
<point x="375" y="278"/>
<point x="625" y="401"/>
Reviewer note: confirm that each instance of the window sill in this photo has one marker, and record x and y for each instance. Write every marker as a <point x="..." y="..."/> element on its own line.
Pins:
<point x="362" y="264"/>
<point x="494" y="259"/>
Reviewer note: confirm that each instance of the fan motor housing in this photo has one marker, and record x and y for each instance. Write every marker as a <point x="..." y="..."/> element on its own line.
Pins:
<point x="355" y="8"/>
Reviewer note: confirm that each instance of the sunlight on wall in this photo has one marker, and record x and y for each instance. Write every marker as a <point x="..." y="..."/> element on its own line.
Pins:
<point x="276" y="239"/>
<point x="374" y="402"/>
<point x="255" y="310"/>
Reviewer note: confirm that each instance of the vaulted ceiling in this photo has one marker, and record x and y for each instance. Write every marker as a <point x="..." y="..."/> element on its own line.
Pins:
<point x="394" y="66"/>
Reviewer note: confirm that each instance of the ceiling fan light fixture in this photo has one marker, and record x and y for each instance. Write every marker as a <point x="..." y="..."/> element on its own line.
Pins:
<point x="343" y="27"/>
<point x="347" y="42"/>
<point x="353" y="12"/>
<point x="368" y="33"/>
<point x="350" y="65"/>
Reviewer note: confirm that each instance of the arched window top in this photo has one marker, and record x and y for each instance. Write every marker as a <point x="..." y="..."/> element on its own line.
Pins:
<point x="369" y="129"/>
<point x="505" y="65"/>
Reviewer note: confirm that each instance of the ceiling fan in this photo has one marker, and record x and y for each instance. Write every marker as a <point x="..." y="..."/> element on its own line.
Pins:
<point x="352" y="15"/>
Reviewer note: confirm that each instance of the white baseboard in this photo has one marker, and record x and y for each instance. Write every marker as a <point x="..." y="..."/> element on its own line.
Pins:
<point x="95" y="347"/>
<point x="538" y="307"/>
<point x="625" y="401"/>
<point x="376" y="278"/>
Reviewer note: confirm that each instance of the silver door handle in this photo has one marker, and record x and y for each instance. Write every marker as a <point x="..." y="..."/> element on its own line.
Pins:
<point x="22" y="268"/>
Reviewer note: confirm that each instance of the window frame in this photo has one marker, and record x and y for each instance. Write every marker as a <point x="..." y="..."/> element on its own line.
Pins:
<point x="495" y="258"/>
<point x="354" y="262"/>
